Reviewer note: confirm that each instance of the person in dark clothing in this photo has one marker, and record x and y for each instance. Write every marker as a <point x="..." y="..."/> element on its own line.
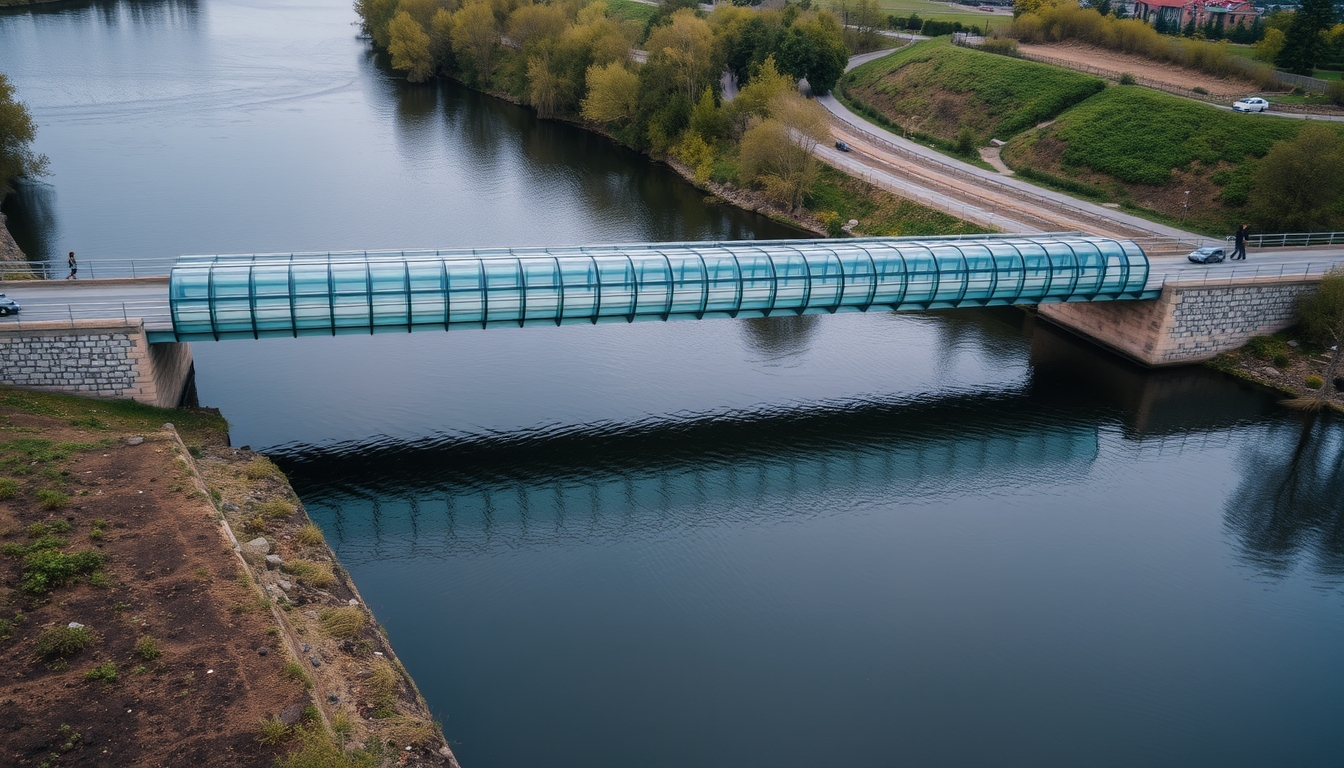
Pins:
<point x="74" y="266"/>
<point x="1240" y="251"/>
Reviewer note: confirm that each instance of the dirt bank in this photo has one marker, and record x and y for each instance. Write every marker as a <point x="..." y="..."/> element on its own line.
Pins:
<point x="9" y="250"/>
<point x="133" y="632"/>
<point x="1283" y="363"/>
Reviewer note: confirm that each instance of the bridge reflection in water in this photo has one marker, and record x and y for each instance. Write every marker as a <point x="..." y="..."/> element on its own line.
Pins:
<point x="256" y="296"/>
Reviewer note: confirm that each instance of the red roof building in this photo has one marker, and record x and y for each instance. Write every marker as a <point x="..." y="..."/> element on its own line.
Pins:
<point x="1223" y="13"/>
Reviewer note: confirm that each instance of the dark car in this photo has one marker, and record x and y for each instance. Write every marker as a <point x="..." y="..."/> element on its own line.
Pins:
<point x="8" y="306"/>
<point x="843" y="147"/>
<point x="1209" y="254"/>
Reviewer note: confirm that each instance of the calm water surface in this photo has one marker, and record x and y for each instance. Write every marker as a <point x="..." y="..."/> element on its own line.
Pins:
<point x="947" y="539"/>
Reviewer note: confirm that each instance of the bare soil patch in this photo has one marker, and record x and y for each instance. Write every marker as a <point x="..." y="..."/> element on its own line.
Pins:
<point x="1088" y="58"/>
<point x="168" y="575"/>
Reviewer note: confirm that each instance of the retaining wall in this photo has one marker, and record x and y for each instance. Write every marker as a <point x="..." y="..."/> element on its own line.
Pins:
<point x="1188" y="323"/>
<point x="102" y="359"/>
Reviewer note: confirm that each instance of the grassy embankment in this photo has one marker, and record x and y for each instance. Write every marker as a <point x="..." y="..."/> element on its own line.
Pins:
<point x="1126" y="145"/>
<point x="956" y="99"/>
<point x="629" y="9"/>
<point x="940" y="12"/>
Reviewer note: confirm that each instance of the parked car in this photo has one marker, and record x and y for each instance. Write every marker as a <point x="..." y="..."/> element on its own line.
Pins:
<point x="843" y="147"/>
<point x="1251" y="104"/>
<point x="8" y="306"/>
<point x="1209" y="254"/>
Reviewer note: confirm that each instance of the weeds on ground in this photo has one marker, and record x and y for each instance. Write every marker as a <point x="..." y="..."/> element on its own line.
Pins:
<point x="147" y="648"/>
<point x="309" y="535"/>
<point x="381" y="688"/>
<point x="47" y="569"/>
<point x="293" y="671"/>
<point x="312" y="573"/>
<point x="51" y="500"/>
<point x="61" y="642"/>
<point x="276" y="509"/>
<point x="98" y="531"/>
<point x="318" y="750"/>
<point x="103" y="673"/>
<point x="343" y="622"/>
<point x="260" y="468"/>
<point x="272" y="732"/>
<point x="9" y="488"/>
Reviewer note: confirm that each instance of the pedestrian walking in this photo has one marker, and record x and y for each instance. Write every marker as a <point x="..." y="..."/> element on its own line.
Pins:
<point x="74" y="266"/>
<point x="1240" y="251"/>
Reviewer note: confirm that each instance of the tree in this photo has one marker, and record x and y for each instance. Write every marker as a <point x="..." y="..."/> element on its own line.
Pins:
<point x="1270" y="45"/>
<point x="1297" y="186"/>
<point x="545" y="88"/>
<point x="1303" y="44"/>
<point x="532" y="22"/>
<point x="686" y="45"/>
<point x="815" y="50"/>
<point x="778" y="152"/>
<point x="17" y="131"/>
<point x="409" y="47"/>
<point x="476" y="40"/>
<point x="1321" y="317"/>
<point x="1032" y="6"/>
<point x="613" y="93"/>
<point x="441" y="39"/>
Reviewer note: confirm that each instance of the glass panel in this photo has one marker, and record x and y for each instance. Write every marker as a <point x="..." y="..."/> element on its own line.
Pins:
<point x="951" y="274"/>
<point x="543" y="289"/>
<point x="980" y="273"/>
<point x="617" y="286"/>
<point x="758" y="281"/>
<point x="921" y="274"/>
<point x="579" y="276"/>
<point x="688" y="284"/>
<point x="826" y="282"/>
<point x="1064" y="271"/>
<point x="466" y="295"/>
<point x="504" y="292"/>
<point x="891" y="276"/>
<point x="1008" y="268"/>
<point x="723" y="281"/>
<point x="791" y="282"/>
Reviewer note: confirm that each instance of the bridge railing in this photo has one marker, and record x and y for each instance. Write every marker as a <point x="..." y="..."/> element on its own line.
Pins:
<point x="155" y="314"/>
<point x="1159" y="278"/>
<point x="1293" y="240"/>
<point x="91" y="269"/>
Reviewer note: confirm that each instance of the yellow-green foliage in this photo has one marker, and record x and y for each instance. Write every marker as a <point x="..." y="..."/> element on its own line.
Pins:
<point x="381" y="687"/>
<point x="309" y="535"/>
<point x="9" y="488"/>
<point x="343" y="622"/>
<point x="311" y="572"/>
<point x="317" y="750"/>
<point x="276" y="508"/>
<point x="271" y="732"/>
<point x="260" y="468"/>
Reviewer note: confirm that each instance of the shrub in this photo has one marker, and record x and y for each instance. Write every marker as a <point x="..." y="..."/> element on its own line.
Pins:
<point x="1334" y="91"/>
<point x="312" y="573"/>
<point x="965" y="141"/>
<point x="1315" y="382"/>
<point x="260" y="468"/>
<point x="1281" y="360"/>
<point x="317" y="750"/>
<point x="9" y="488"/>
<point x="310" y="535"/>
<point x="1003" y="46"/>
<point x="1127" y="79"/>
<point x="147" y="648"/>
<point x="343" y="622"/>
<point x="381" y="688"/>
<point x="103" y="673"/>
<point x="276" y="508"/>
<point x="272" y="732"/>
<point x="6" y="629"/>
<point x="36" y="530"/>
<point x="60" y="642"/>
<point x="50" y="499"/>
<point x="47" y="569"/>
<point x="1266" y="347"/>
<point x="295" y="672"/>
<point x="255" y="524"/>
<point x="1201" y="90"/>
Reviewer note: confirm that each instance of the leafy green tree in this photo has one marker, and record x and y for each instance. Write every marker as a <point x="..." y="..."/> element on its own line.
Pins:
<point x="377" y="16"/>
<point x="613" y="94"/>
<point x="815" y="50"/>
<point x="685" y="46"/>
<point x="1298" y="185"/>
<point x="17" y="131"/>
<point x="1304" y="44"/>
<point x="475" y="39"/>
<point x="545" y="87"/>
<point x="708" y="118"/>
<point x="1270" y="45"/>
<point x="409" y="47"/>
<point x="778" y="152"/>
<point x="1321" y="317"/>
<point x="441" y="39"/>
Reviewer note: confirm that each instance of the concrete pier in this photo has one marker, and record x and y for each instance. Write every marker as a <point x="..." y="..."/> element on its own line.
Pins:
<point x="1188" y="323"/>
<point x="92" y="357"/>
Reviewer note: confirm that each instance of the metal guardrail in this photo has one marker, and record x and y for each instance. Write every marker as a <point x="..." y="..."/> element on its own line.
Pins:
<point x="1160" y="277"/>
<point x="92" y="269"/>
<point x="1292" y="240"/>
<point x="155" y="314"/>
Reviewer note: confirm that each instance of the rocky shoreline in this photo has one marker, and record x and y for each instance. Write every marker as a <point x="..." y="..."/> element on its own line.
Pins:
<point x="9" y="250"/>
<point x="1282" y="364"/>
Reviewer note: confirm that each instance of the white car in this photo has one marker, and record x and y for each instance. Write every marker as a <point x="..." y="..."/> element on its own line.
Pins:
<point x="1251" y="104"/>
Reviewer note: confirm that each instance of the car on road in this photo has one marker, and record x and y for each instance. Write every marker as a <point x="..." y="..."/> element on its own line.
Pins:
<point x="843" y="147"/>
<point x="1251" y="104"/>
<point x="1209" y="254"/>
<point x="8" y="306"/>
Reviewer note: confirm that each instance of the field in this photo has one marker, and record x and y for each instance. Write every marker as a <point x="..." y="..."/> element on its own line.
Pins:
<point x="629" y="9"/>
<point x="936" y="89"/>
<point x="1145" y="149"/>
<point x="942" y="12"/>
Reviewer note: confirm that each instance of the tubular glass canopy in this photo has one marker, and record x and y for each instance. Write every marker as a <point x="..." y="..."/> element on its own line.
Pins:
<point x="304" y="294"/>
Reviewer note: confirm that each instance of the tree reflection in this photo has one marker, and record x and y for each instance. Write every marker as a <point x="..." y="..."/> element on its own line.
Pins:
<point x="32" y="219"/>
<point x="1291" y="502"/>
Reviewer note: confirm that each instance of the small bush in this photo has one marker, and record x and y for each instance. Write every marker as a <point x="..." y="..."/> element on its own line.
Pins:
<point x="310" y="535"/>
<point x="311" y="573"/>
<point x="1334" y="91"/>
<point x="1281" y="360"/>
<point x="47" y="569"/>
<point x="9" y="488"/>
<point x="103" y="673"/>
<point x="60" y="642"/>
<point x="1267" y="347"/>
<point x="343" y="622"/>
<point x="965" y="143"/>
<point x="36" y="530"/>
<point x="1200" y="90"/>
<point x="255" y="524"/>
<point x="1127" y="79"/>
<point x="1004" y="46"/>
<point x="49" y="499"/>
<point x="6" y="629"/>
<point x="1315" y="382"/>
<point x="272" y="732"/>
<point x="381" y="689"/>
<point x="295" y="672"/>
<point x="276" y="508"/>
<point x="12" y="549"/>
<point x="147" y="648"/>
<point x="260" y="468"/>
<point x="317" y="750"/>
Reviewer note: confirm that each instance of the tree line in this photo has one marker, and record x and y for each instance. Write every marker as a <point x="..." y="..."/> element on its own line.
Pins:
<point x="575" y="60"/>
<point x="17" y="131"/>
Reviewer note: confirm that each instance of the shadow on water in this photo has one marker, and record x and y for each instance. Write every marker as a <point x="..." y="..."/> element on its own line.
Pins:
<point x="183" y="14"/>
<point x="1290" y="502"/>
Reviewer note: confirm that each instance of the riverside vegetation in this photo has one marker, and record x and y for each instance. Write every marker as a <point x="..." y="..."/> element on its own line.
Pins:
<point x="573" y="60"/>
<point x="1127" y="145"/>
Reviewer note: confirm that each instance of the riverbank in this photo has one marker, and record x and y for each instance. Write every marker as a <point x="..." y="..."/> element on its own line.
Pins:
<point x="135" y="630"/>
<point x="9" y="250"/>
<point x="1283" y="363"/>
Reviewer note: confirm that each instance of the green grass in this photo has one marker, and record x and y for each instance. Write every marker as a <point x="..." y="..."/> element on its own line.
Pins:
<point x="629" y="9"/>
<point x="103" y="673"/>
<point x="116" y="414"/>
<point x="941" y="12"/>
<point x="59" y="642"/>
<point x="937" y="88"/>
<point x="1138" y="135"/>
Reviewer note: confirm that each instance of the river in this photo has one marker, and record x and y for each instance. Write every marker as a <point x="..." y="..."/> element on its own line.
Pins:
<point x="954" y="539"/>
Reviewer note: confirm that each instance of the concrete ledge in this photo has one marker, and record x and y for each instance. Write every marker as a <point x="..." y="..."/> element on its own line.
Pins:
<point x="154" y="280"/>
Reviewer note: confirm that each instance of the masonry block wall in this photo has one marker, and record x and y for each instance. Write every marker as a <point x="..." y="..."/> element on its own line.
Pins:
<point x="94" y="358"/>
<point x="1188" y="323"/>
